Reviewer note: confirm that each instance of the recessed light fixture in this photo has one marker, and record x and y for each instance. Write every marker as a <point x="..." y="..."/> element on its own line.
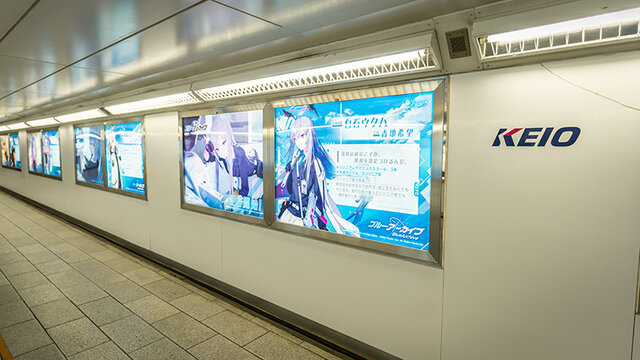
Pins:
<point x="82" y="115"/>
<point x="586" y="31"/>
<point x="42" y="122"/>
<point x="17" y="126"/>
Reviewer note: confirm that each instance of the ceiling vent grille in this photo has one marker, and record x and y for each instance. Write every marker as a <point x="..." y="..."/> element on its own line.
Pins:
<point x="458" y="43"/>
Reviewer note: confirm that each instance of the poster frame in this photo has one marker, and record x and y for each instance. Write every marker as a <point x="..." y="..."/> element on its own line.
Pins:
<point x="144" y="158"/>
<point x="29" y="150"/>
<point x="436" y="214"/>
<point x="8" y="134"/>
<point x="51" y="128"/>
<point x="102" y="157"/>
<point x="253" y="220"/>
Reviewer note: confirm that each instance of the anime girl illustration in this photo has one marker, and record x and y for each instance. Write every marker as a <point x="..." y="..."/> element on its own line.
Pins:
<point x="35" y="157"/>
<point x="88" y="154"/>
<point x="219" y="170"/>
<point x="197" y="182"/>
<point x="5" y="150"/>
<point x="303" y="182"/>
<point x="113" y="161"/>
<point x="46" y="154"/>
<point x="12" y="157"/>
<point x="223" y="149"/>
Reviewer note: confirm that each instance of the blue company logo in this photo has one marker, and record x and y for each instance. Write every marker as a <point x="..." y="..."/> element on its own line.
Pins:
<point x="538" y="136"/>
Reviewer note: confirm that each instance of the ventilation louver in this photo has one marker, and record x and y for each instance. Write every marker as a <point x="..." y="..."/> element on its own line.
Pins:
<point x="458" y="43"/>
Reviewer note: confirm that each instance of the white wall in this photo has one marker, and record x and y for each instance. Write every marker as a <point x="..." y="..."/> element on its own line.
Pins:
<point x="541" y="247"/>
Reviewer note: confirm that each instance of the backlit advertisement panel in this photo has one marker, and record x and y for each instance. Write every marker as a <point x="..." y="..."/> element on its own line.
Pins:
<point x="14" y="151"/>
<point x="4" y="142"/>
<point x="222" y="157"/>
<point x="89" y="147"/>
<point x="124" y="156"/>
<point x="360" y="167"/>
<point x="51" y="153"/>
<point x="35" y="152"/>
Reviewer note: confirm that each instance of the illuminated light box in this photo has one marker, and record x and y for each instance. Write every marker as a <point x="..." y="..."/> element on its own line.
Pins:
<point x="89" y="157"/>
<point x="124" y="157"/>
<point x="4" y="141"/>
<point x="223" y="162"/>
<point x="35" y="152"/>
<point x="360" y="168"/>
<point x="14" y="152"/>
<point x="51" y="153"/>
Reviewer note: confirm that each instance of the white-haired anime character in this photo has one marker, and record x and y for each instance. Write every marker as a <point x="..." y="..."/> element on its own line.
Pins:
<point x="239" y="166"/>
<point x="113" y="161"/>
<point x="303" y="182"/>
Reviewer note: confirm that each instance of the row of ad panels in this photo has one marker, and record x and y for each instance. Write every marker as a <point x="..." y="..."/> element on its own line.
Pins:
<point x="359" y="171"/>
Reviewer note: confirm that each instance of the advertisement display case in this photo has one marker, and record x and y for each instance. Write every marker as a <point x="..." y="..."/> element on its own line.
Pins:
<point x="111" y="156"/>
<point x="124" y="157"/>
<point x="14" y="152"/>
<point x="34" y="142"/>
<point x="44" y="153"/>
<point x="366" y="171"/>
<point x="4" y="141"/>
<point x="51" y="158"/>
<point x="89" y="157"/>
<point x="222" y="164"/>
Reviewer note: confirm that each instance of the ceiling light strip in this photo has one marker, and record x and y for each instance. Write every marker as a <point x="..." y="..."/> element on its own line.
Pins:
<point x="161" y="102"/>
<point x="418" y="60"/>
<point x="606" y="28"/>
<point x="42" y="122"/>
<point x="82" y="115"/>
<point x="17" y="126"/>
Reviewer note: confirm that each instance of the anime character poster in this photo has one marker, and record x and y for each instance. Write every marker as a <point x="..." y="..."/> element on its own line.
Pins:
<point x="124" y="156"/>
<point x="51" y="153"/>
<point x="89" y="154"/>
<point x="14" y="151"/>
<point x="35" y="151"/>
<point x="4" y="142"/>
<point x="359" y="167"/>
<point x="223" y="162"/>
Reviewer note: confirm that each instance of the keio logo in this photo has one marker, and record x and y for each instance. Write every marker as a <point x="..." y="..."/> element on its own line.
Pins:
<point x="562" y="137"/>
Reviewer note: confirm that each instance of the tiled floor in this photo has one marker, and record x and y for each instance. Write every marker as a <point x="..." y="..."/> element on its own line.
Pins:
<point x="65" y="293"/>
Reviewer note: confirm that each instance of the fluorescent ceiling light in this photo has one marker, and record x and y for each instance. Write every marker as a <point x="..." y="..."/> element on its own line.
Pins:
<point x="4" y="128"/>
<point x="614" y="26"/>
<point x="82" y="115"/>
<point x="42" y="122"/>
<point x="17" y="126"/>
<point x="567" y="26"/>
<point x="185" y="98"/>
<point x="410" y="61"/>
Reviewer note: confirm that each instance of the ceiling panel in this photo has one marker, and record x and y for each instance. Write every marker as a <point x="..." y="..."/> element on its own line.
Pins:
<point x="64" y="31"/>
<point x="388" y="18"/>
<point x="72" y="80"/>
<point x="10" y="12"/>
<point x="60" y="86"/>
<point x="209" y="36"/>
<point x="15" y="73"/>
<point x="295" y="14"/>
<point x="196" y="34"/>
<point x="202" y="31"/>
